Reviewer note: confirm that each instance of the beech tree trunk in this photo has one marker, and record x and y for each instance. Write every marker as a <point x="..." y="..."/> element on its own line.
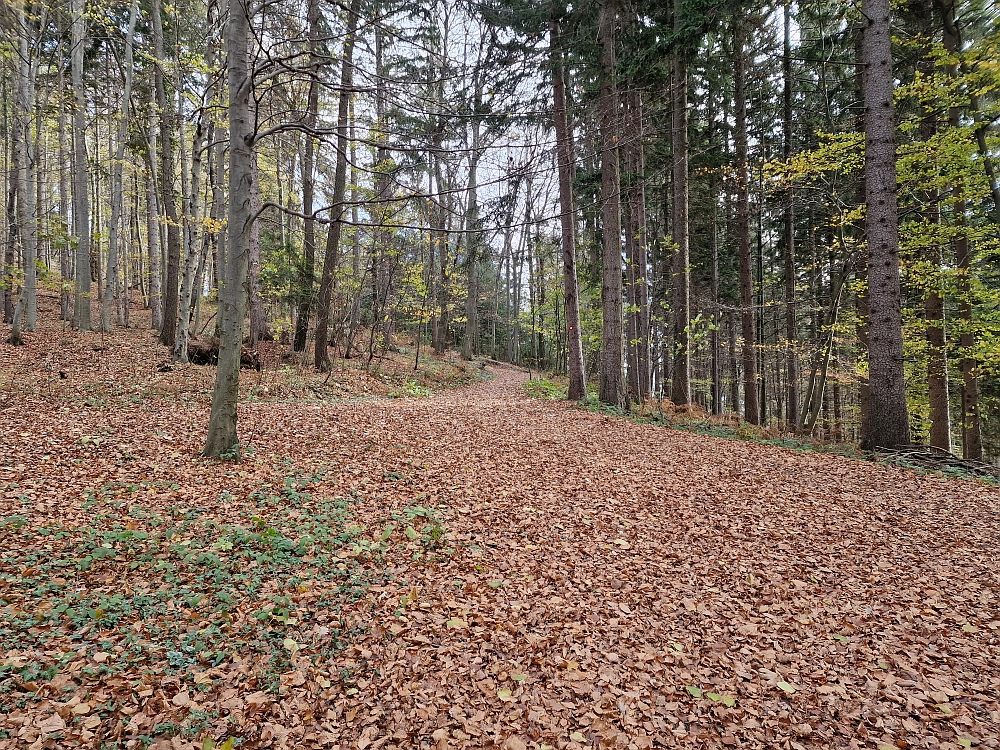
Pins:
<point x="222" y="438"/>
<point x="168" y="201"/>
<point x="65" y="246"/>
<point x="81" y="175"/>
<point x="117" y="188"/>
<point x="612" y="390"/>
<point x="153" y="234"/>
<point x="24" y="169"/>
<point x="887" y="423"/>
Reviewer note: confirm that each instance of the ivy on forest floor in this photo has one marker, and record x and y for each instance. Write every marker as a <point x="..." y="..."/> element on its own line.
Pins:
<point x="172" y="589"/>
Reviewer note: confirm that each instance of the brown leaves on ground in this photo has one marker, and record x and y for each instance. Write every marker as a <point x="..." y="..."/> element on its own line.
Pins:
<point x="512" y="573"/>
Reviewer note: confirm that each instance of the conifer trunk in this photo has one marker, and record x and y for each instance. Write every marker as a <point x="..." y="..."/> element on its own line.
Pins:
<point x="567" y="217"/>
<point x="887" y="424"/>
<point x="612" y="390"/>
<point x="751" y="410"/>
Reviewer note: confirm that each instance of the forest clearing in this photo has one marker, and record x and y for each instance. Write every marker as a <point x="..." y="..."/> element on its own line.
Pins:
<point x="464" y="568"/>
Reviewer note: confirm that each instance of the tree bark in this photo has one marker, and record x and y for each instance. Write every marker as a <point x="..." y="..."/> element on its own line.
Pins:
<point x="751" y="409"/>
<point x="567" y="216"/>
<point x="791" y="339"/>
<point x="111" y="290"/>
<point x="612" y="389"/>
<point x="328" y="279"/>
<point x="307" y="267"/>
<point x="153" y="234"/>
<point x="972" y="438"/>
<point x="168" y="202"/>
<point x="222" y="438"/>
<point x="65" y="246"/>
<point x="680" y="390"/>
<point x="24" y="168"/>
<point x="81" y="176"/>
<point x="887" y="424"/>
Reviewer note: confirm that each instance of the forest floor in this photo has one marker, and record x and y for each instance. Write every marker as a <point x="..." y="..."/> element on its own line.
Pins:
<point x="468" y="567"/>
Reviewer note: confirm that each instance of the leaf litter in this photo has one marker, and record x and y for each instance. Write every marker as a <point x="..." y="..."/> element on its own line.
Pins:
<point x="472" y="569"/>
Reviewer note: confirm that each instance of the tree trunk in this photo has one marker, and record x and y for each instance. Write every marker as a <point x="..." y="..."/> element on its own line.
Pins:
<point x="751" y="409"/>
<point x="153" y="235"/>
<point x="972" y="438"/>
<point x="567" y="217"/>
<point x="81" y="176"/>
<point x="168" y="331"/>
<point x="612" y="390"/>
<point x="193" y="251"/>
<point x="117" y="187"/>
<point x="680" y="390"/>
<point x="255" y="297"/>
<point x="222" y="438"/>
<point x="65" y="246"/>
<point x="887" y="424"/>
<point x="791" y="339"/>
<point x="307" y="267"/>
<point x="27" y="225"/>
<point x="328" y="279"/>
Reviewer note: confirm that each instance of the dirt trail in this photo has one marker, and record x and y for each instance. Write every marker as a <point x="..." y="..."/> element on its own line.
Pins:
<point x="599" y="583"/>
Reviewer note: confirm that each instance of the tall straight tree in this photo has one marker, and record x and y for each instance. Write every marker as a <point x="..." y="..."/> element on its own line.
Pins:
<point x="680" y="390"/>
<point x="567" y="215"/>
<point x="321" y="353"/>
<point x="612" y="340"/>
<point x="168" y="199"/>
<point x="24" y="176"/>
<point x="751" y="409"/>
<point x="307" y="266"/>
<point x="117" y="186"/>
<point x="222" y="437"/>
<point x="81" y="175"/>
<point x="972" y="436"/>
<point x="886" y="423"/>
<point x="788" y="221"/>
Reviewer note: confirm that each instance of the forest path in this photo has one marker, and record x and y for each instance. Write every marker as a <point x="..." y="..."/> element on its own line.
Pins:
<point x="599" y="582"/>
<point x="833" y="599"/>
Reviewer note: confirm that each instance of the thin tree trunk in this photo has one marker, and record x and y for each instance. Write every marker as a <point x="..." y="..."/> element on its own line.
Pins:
<point x="153" y="235"/>
<point x="567" y="217"/>
<point x="751" y="409"/>
<point x="117" y="183"/>
<point x="26" y="210"/>
<point x="255" y="296"/>
<point x="65" y="246"/>
<point x="168" y="331"/>
<point x="612" y="389"/>
<point x="307" y="268"/>
<point x="972" y="438"/>
<point x="81" y="176"/>
<point x="887" y="424"/>
<point x="328" y="279"/>
<point x="680" y="391"/>
<point x="193" y="250"/>
<point x="791" y="339"/>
